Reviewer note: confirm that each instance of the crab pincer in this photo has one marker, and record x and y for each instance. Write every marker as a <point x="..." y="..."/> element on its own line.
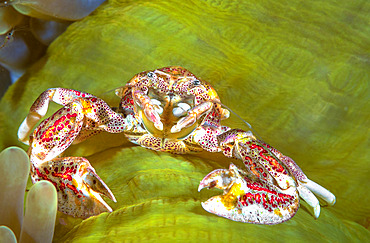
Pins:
<point x="78" y="186"/>
<point x="82" y="115"/>
<point x="247" y="199"/>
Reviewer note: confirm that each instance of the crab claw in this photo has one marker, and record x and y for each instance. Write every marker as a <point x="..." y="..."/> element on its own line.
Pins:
<point x="249" y="201"/>
<point x="77" y="184"/>
<point x="218" y="178"/>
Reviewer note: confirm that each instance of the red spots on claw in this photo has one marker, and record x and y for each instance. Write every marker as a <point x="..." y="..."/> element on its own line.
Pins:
<point x="258" y="198"/>
<point x="39" y="174"/>
<point x="248" y="159"/>
<point x="243" y="199"/>
<point x="69" y="116"/>
<point x="51" y="133"/>
<point x="264" y="200"/>
<point x="269" y="197"/>
<point x="62" y="186"/>
<point x="76" y="92"/>
<point x="48" y="139"/>
<point x="250" y="198"/>
<point x="264" y="154"/>
<point x="255" y="187"/>
<point x="276" y="165"/>
<point x="64" y="176"/>
<point x="44" y="176"/>
<point x="73" y="188"/>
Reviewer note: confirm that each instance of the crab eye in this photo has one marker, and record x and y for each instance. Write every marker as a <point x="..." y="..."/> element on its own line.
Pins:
<point x="150" y="75"/>
<point x="196" y="82"/>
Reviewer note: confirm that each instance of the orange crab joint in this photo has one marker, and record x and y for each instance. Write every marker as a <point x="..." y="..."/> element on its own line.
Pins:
<point x="213" y="94"/>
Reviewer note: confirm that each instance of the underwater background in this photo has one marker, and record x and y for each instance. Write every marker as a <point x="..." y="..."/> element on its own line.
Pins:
<point x="298" y="71"/>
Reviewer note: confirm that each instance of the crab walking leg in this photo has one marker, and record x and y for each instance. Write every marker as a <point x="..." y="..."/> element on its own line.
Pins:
<point x="192" y="116"/>
<point x="39" y="108"/>
<point x="319" y="191"/>
<point x="77" y="184"/>
<point x="302" y="179"/>
<point x="310" y="199"/>
<point x="248" y="200"/>
<point x="148" y="107"/>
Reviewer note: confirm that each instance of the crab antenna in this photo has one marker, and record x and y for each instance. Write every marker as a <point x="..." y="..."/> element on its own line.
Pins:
<point x="254" y="131"/>
<point x="249" y="125"/>
<point x="112" y="90"/>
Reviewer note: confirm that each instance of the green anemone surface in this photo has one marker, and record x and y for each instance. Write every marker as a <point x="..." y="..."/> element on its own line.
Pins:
<point x="298" y="71"/>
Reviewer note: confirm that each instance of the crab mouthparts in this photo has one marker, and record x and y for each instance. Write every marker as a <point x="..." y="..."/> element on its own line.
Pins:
<point x="168" y="117"/>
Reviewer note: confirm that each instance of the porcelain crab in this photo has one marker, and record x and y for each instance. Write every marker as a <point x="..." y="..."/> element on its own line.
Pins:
<point x="167" y="109"/>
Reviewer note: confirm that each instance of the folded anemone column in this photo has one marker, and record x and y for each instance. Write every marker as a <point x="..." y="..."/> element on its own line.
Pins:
<point x="14" y="170"/>
<point x="37" y="225"/>
<point x="7" y="235"/>
<point x="27" y="27"/>
<point x="57" y="9"/>
<point x="41" y="208"/>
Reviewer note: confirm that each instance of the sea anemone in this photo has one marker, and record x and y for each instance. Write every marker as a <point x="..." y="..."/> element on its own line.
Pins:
<point x="27" y="27"/>
<point x="38" y="223"/>
<point x="297" y="72"/>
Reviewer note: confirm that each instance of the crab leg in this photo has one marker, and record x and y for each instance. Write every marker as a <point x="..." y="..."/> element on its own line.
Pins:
<point x="247" y="200"/>
<point x="269" y="167"/>
<point x="40" y="107"/>
<point x="320" y="191"/>
<point x="302" y="179"/>
<point x="78" y="186"/>
<point x="310" y="199"/>
<point x="99" y="116"/>
<point x="55" y="134"/>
